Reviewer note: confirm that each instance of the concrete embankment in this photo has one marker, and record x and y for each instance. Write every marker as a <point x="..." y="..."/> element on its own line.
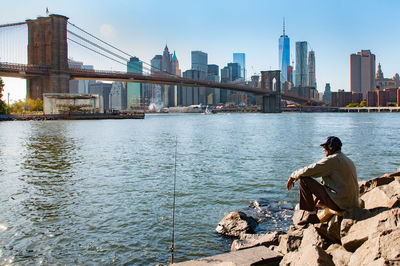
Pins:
<point x="369" y="235"/>
<point x="26" y="117"/>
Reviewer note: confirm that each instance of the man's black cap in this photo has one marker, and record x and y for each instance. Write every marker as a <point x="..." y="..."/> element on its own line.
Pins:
<point x="332" y="143"/>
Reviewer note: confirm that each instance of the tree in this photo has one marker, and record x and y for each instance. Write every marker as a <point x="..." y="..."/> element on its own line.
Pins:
<point x="363" y="103"/>
<point x="3" y="106"/>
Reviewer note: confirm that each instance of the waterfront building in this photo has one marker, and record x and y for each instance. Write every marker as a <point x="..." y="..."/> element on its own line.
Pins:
<point x="311" y="70"/>
<point x="382" y="83"/>
<point x="240" y="58"/>
<point x="117" y="96"/>
<point x="362" y="72"/>
<point x="301" y="76"/>
<point x="343" y="98"/>
<point x="103" y="90"/>
<point x="385" y="97"/>
<point x="134" y="90"/>
<point x="284" y="55"/>
<point x="199" y="61"/>
<point x="327" y="98"/>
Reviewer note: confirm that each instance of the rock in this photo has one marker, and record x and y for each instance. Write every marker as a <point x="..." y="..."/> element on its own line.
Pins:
<point x="291" y="241"/>
<point x="330" y="231"/>
<point x="380" y="250"/>
<point x="366" y="186"/>
<point x="235" y="223"/>
<point x="307" y="255"/>
<point x="312" y="237"/>
<point x="248" y="240"/>
<point x="298" y="216"/>
<point x="360" y="231"/>
<point x="340" y="256"/>
<point x="382" y="196"/>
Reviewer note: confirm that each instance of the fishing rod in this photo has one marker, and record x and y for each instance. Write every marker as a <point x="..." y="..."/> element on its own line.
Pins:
<point x="173" y="208"/>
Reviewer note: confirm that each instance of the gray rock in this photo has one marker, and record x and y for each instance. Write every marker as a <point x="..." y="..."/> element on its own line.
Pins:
<point x="380" y="250"/>
<point x="248" y="240"/>
<point x="340" y="256"/>
<point x="359" y="231"/>
<point x="382" y="196"/>
<point x="235" y="223"/>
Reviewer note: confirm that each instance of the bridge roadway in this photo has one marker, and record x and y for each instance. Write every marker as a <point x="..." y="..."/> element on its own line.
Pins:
<point x="23" y="71"/>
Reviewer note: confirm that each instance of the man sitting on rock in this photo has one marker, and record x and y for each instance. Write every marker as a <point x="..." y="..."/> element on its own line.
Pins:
<point x="339" y="189"/>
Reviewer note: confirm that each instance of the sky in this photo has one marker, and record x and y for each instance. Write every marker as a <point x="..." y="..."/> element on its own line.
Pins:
<point x="334" y="29"/>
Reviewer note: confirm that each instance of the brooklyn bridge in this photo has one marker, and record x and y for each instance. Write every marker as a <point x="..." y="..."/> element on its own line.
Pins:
<point x="47" y="69"/>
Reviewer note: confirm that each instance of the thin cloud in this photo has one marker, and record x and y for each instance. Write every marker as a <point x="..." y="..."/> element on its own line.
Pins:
<point x="107" y="31"/>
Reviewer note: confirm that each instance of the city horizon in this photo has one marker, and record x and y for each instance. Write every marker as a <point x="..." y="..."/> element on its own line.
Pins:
<point x="257" y="58"/>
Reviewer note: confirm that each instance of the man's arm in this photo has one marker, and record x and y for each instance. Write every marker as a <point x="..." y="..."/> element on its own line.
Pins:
<point x="316" y="169"/>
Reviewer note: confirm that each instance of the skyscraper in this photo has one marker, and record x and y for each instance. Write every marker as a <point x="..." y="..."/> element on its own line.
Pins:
<point x="234" y="71"/>
<point x="199" y="61"/>
<point x="327" y="98"/>
<point x="240" y="58"/>
<point x="301" y="79"/>
<point x="362" y="72"/>
<point x="311" y="70"/>
<point x="284" y="54"/>
<point x="134" y="90"/>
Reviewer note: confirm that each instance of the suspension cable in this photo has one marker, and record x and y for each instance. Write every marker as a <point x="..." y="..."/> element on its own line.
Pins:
<point x="120" y="50"/>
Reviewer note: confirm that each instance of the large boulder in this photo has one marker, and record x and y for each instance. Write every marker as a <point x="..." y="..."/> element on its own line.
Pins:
<point x="310" y="255"/>
<point x="291" y="241"/>
<point x="382" y="196"/>
<point x="354" y="234"/>
<point x="366" y="186"/>
<point x="384" y="249"/>
<point x="340" y="256"/>
<point x="236" y="223"/>
<point x="252" y="240"/>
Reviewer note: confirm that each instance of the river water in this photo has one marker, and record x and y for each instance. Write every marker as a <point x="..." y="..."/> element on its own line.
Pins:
<point x="101" y="192"/>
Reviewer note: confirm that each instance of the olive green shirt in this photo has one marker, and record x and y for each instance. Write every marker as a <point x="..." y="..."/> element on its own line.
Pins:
<point x="339" y="177"/>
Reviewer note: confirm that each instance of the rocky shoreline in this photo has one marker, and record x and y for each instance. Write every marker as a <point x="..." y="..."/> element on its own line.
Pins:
<point x="369" y="235"/>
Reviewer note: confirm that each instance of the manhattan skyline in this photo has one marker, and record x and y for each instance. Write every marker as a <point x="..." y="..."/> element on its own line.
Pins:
<point x="334" y="30"/>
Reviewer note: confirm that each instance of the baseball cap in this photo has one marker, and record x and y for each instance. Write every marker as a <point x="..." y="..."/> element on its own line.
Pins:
<point x="332" y="142"/>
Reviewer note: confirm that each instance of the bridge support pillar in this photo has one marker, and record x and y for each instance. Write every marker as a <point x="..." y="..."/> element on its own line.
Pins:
<point x="47" y="47"/>
<point x="271" y="81"/>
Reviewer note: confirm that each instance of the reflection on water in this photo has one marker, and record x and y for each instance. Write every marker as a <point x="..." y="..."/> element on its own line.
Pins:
<point x="100" y="192"/>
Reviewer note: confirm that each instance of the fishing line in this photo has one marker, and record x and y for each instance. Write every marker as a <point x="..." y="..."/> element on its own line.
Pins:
<point x="173" y="208"/>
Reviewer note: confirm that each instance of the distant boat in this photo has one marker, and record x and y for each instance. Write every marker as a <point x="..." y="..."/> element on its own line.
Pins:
<point x="207" y="111"/>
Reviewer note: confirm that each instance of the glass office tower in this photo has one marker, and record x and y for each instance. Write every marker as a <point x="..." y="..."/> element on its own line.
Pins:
<point x="284" y="54"/>
<point x="240" y="58"/>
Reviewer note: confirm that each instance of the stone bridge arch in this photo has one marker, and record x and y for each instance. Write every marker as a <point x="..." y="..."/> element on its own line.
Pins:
<point x="271" y="81"/>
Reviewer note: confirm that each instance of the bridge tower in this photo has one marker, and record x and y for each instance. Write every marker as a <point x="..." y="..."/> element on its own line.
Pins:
<point x="271" y="81"/>
<point x="47" y="47"/>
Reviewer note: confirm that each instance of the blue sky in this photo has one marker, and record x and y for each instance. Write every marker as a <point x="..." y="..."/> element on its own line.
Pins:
<point x="334" y="30"/>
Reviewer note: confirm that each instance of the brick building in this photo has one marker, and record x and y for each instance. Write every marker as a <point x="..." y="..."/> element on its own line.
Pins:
<point x="386" y="97"/>
<point x="343" y="98"/>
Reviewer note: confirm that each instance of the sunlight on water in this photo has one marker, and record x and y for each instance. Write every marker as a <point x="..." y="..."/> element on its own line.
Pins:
<point x="100" y="192"/>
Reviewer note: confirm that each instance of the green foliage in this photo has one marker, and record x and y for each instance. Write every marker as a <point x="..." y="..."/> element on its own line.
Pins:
<point x="3" y="106"/>
<point x="353" y="105"/>
<point x="363" y="104"/>
<point x="28" y="106"/>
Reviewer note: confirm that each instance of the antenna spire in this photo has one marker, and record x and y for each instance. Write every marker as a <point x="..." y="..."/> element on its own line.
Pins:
<point x="284" y="27"/>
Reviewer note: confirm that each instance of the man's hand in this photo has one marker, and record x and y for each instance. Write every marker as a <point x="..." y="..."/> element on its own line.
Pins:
<point x="290" y="183"/>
